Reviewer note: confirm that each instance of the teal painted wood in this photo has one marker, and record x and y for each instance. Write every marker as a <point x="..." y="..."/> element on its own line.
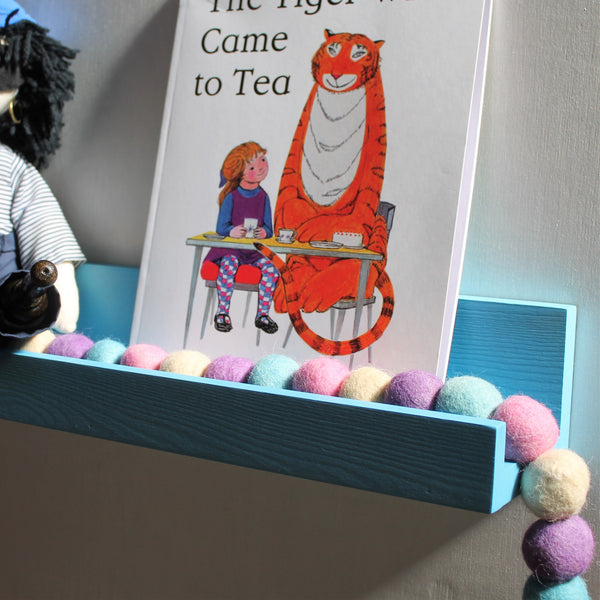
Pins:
<point x="427" y="456"/>
<point x="454" y="461"/>
<point x="107" y="299"/>
<point x="522" y="348"/>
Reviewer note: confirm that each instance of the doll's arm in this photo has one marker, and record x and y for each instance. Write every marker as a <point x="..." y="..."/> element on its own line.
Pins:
<point x="69" y="298"/>
<point x="43" y="233"/>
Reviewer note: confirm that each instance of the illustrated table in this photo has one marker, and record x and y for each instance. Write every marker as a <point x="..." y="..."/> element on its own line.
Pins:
<point x="305" y="249"/>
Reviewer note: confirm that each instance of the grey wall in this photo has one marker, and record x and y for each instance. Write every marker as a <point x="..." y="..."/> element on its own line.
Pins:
<point x="88" y="519"/>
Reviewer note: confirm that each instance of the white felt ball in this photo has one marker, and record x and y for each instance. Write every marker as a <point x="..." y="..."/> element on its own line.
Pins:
<point x="38" y="343"/>
<point x="185" y="362"/>
<point x="555" y="485"/>
<point x="365" y="383"/>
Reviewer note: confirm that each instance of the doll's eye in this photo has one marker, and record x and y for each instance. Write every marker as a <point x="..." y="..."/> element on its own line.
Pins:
<point x="333" y="49"/>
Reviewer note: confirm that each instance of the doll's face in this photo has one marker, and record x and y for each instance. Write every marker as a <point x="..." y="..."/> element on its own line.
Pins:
<point x="5" y="98"/>
<point x="10" y="80"/>
<point x="256" y="170"/>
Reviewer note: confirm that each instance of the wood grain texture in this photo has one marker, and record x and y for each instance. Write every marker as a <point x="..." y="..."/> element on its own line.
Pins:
<point x="522" y="348"/>
<point x="435" y="458"/>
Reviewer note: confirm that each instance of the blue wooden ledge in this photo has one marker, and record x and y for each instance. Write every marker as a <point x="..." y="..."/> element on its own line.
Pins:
<point x="428" y="456"/>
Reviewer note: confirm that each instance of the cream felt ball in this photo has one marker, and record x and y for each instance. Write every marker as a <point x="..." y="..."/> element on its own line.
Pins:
<point x="274" y="370"/>
<point x="323" y="375"/>
<point x="106" y="351"/>
<point x="413" y="389"/>
<point x="469" y="396"/>
<point x="72" y="345"/>
<point x="143" y="356"/>
<point x="556" y="484"/>
<point x="560" y="550"/>
<point x="365" y="383"/>
<point x="38" y="343"/>
<point x="229" y="368"/>
<point x="531" y="428"/>
<point x="185" y="362"/>
<point x="574" y="589"/>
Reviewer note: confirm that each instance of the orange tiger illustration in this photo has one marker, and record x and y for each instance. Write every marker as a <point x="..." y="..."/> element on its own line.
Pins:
<point x="332" y="182"/>
<point x="319" y="343"/>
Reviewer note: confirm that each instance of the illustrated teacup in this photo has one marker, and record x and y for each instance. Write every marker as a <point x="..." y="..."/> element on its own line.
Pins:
<point x="250" y="224"/>
<point x="286" y="236"/>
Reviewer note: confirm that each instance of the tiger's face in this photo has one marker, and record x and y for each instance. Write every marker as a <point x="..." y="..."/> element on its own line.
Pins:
<point x="345" y="61"/>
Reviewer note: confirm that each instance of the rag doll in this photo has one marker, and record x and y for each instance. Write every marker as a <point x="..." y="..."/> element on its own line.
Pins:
<point x="35" y="83"/>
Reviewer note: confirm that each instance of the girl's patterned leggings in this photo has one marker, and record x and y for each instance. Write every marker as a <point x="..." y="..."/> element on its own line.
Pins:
<point x="227" y="270"/>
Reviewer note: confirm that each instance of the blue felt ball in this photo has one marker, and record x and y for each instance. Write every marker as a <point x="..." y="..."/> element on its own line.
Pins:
<point x="468" y="395"/>
<point x="575" y="589"/>
<point x="274" y="370"/>
<point x="106" y="351"/>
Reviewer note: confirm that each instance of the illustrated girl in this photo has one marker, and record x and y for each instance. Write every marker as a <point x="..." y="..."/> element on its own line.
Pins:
<point x="245" y="211"/>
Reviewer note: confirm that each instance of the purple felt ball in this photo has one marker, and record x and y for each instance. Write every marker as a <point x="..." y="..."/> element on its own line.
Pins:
<point x="72" y="345"/>
<point x="414" y="389"/>
<point x="560" y="550"/>
<point x="143" y="356"/>
<point x="531" y="428"/>
<point x="323" y="375"/>
<point x="229" y="368"/>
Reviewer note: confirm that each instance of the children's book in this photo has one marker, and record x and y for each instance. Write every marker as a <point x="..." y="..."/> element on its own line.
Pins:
<point x="314" y="180"/>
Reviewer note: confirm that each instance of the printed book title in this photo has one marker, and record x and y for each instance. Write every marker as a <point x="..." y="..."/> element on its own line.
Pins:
<point x="215" y="41"/>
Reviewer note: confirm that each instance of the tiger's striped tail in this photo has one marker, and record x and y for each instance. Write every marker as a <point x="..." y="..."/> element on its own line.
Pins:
<point x="319" y="343"/>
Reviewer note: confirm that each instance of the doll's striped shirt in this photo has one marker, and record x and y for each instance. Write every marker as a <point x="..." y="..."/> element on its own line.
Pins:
<point x="29" y="208"/>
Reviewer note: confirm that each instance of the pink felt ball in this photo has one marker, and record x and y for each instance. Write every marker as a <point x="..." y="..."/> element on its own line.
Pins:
<point x="229" y="368"/>
<point x="72" y="345"/>
<point x="323" y="375"/>
<point x="560" y="550"/>
<point x="143" y="356"/>
<point x="414" y="389"/>
<point x="531" y="428"/>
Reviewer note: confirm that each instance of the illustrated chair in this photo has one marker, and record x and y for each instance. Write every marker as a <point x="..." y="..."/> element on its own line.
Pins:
<point x="386" y="210"/>
<point x="247" y="279"/>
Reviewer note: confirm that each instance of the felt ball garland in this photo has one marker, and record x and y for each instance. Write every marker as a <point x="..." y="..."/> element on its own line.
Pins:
<point x="185" y="362"/>
<point x="229" y="368"/>
<point x="555" y="485"/>
<point x="531" y="428"/>
<point x="273" y="370"/>
<point x="558" y="547"/>
<point x="413" y="389"/>
<point x="558" y="551"/>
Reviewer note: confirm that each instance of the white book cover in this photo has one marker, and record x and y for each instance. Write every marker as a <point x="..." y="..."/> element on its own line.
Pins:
<point x="314" y="180"/>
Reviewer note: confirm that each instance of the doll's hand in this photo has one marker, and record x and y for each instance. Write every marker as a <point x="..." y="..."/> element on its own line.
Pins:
<point x="239" y="231"/>
<point x="260" y="233"/>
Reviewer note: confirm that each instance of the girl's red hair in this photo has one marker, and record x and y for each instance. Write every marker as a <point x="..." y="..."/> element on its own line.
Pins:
<point x="235" y="163"/>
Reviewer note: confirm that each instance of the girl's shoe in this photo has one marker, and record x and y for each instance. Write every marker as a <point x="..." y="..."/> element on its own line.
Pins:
<point x="265" y="323"/>
<point x="223" y="322"/>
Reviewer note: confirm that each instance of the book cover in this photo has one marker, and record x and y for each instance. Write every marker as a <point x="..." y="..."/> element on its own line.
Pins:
<point x="314" y="180"/>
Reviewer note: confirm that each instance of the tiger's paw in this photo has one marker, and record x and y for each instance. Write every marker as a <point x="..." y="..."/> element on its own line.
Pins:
<point x="321" y="293"/>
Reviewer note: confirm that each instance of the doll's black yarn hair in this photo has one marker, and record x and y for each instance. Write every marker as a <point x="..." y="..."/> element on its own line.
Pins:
<point x="39" y="66"/>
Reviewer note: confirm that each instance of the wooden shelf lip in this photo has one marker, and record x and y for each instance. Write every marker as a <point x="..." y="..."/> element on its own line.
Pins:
<point x="433" y="457"/>
<point x="427" y="456"/>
